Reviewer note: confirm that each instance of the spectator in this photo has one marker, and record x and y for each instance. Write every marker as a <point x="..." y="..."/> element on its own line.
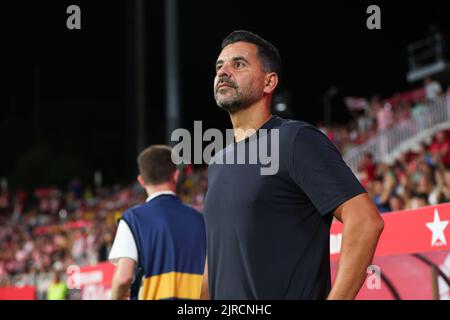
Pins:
<point x="419" y="113"/>
<point x="367" y="168"/>
<point x="433" y="89"/>
<point x="57" y="289"/>
<point x="383" y="114"/>
<point x="441" y="194"/>
<point x="381" y="189"/>
<point x="419" y="200"/>
<point x="441" y="147"/>
<point x="396" y="203"/>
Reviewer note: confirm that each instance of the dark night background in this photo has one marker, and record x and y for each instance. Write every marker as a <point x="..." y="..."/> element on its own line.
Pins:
<point x="67" y="108"/>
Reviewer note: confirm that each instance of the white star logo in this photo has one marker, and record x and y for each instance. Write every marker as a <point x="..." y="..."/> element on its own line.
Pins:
<point x="437" y="227"/>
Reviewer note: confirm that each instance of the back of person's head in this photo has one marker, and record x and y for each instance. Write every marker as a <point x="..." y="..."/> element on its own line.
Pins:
<point x="268" y="54"/>
<point x="419" y="200"/>
<point x="155" y="164"/>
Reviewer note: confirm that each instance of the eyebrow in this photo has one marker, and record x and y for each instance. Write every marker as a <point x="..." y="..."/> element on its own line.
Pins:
<point x="238" y="58"/>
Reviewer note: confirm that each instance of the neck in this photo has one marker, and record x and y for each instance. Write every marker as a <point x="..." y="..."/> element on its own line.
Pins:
<point x="250" y="118"/>
<point x="151" y="190"/>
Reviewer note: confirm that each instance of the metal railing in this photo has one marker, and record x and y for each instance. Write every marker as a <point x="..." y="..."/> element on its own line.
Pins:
<point x="386" y="146"/>
<point x="426" y="51"/>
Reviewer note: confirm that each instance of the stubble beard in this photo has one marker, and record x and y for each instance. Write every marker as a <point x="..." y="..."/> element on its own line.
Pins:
<point x="237" y="100"/>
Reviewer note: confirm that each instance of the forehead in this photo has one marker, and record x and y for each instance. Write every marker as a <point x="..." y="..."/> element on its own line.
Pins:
<point x="246" y="50"/>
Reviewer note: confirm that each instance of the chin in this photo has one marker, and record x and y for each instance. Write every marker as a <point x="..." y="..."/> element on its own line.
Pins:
<point x="231" y="108"/>
<point x="225" y="103"/>
<point x="225" y="107"/>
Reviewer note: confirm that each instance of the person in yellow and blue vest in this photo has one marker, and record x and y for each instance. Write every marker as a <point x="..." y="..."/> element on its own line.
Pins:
<point x="160" y="245"/>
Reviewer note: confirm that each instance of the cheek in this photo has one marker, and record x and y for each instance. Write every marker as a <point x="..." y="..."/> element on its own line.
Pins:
<point x="253" y="84"/>
<point x="261" y="83"/>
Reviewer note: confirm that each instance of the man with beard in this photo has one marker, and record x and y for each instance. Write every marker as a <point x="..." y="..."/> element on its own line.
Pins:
<point x="268" y="235"/>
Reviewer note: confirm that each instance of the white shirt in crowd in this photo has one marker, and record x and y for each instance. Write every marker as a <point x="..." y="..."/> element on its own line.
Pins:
<point x="433" y="90"/>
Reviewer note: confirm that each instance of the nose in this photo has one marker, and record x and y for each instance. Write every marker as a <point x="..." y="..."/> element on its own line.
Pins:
<point x="223" y="72"/>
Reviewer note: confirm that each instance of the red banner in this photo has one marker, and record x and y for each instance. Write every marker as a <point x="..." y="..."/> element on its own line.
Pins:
<point x="412" y="260"/>
<point x="411" y="231"/>
<point x="93" y="281"/>
<point x="18" y="293"/>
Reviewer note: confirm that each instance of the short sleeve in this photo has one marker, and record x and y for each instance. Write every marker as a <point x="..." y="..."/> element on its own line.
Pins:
<point x="124" y="245"/>
<point x="318" y="169"/>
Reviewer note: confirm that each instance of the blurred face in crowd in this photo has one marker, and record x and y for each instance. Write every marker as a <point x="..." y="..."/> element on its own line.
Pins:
<point x="367" y="158"/>
<point x="447" y="178"/>
<point x="403" y="180"/>
<point x="396" y="204"/>
<point x="422" y="165"/>
<point x="418" y="202"/>
<point x="383" y="168"/>
<point x="240" y="77"/>
<point x="440" y="136"/>
<point x="423" y="185"/>
<point x="377" y="187"/>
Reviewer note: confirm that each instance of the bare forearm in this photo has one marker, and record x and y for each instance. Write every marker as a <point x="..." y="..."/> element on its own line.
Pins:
<point x="120" y="291"/>
<point x="205" y="292"/>
<point x="204" y="295"/>
<point x="123" y="276"/>
<point x="358" y="247"/>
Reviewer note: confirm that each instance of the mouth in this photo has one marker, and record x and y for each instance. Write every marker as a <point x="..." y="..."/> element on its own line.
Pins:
<point x="224" y="85"/>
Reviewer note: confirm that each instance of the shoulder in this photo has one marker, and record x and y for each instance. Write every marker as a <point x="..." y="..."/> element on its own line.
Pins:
<point x="307" y="145"/>
<point x="192" y="212"/>
<point x="134" y="211"/>
<point x="290" y="127"/>
<point x="296" y="132"/>
<point x="297" y="126"/>
<point x="171" y="203"/>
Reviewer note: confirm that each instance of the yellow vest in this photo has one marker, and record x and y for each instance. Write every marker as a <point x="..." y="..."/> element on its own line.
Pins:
<point x="57" y="291"/>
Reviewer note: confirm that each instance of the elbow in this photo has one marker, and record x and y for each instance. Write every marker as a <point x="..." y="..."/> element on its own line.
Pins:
<point x="377" y="226"/>
<point x="371" y="227"/>
<point x="380" y="226"/>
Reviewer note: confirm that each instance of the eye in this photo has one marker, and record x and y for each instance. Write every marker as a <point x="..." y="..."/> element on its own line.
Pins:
<point x="218" y="67"/>
<point x="238" y="64"/>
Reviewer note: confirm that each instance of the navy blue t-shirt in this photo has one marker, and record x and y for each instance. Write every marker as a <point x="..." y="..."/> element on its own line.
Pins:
<point x="268" y="235"/>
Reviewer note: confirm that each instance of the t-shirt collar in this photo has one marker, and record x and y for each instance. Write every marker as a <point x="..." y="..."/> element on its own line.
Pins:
<point x="159" y="193"/>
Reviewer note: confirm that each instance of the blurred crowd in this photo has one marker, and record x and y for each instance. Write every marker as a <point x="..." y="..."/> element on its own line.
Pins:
<point x="370" y="117"/>
<point x="416" y="179"/>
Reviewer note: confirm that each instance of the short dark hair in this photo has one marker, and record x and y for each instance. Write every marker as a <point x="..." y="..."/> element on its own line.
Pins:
<point x="395" y="195"/>
<point x="267" y="52"/>
<point x="155" y="164"/>
<point x="369" y="155"/>
<point x="378" y="178"/>
<point x="422" y="196"/>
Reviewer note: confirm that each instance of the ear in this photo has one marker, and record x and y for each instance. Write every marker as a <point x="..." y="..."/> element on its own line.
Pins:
<point x="141" y="181"/>
<point x="270" y="82"/>
<point x="176" y="175"/>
